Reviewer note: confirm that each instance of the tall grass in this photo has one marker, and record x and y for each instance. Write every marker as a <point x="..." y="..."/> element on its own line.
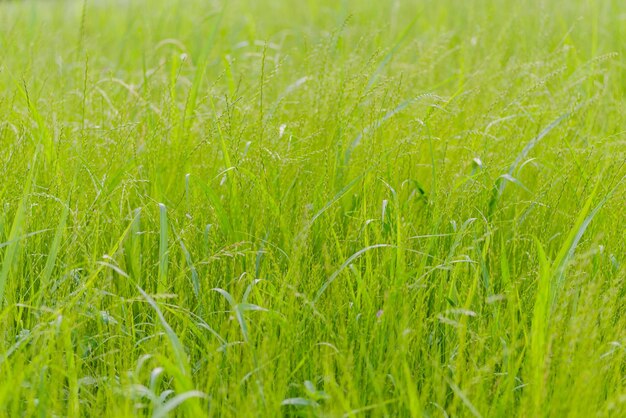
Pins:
<point x="257" y="208"/>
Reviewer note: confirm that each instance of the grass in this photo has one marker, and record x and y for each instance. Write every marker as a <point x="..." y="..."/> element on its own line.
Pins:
<point x="335" y="208"/>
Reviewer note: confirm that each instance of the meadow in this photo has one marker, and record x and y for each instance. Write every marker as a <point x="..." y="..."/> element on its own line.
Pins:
<point x="256" y="208"/>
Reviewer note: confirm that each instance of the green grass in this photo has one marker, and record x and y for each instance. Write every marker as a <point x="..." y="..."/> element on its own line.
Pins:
<point x="316" y="208"/>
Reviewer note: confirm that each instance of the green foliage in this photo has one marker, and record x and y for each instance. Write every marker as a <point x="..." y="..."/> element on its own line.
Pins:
<point x="336" y="208"/>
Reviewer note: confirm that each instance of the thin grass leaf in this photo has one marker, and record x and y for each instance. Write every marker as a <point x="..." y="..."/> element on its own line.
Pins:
<point x="175" y="402"/>
<point x="12" y="250"/>
<point x="163" y="249"/>
<point x="344" y="265"/>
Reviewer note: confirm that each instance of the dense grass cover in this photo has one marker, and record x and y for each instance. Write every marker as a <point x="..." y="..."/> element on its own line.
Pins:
<point x="315" y="208"/>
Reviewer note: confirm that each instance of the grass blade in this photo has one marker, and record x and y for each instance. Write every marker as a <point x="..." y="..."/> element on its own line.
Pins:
<point x="163" y="249"/>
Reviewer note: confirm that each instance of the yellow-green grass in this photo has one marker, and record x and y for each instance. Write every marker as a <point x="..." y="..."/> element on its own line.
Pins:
<point x="313" y="208"/>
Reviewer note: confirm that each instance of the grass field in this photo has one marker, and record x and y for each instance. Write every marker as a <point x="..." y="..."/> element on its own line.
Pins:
<point x="342" y="208"/>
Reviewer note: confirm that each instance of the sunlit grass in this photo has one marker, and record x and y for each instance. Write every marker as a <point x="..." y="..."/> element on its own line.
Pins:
<point x="316" y="208"/>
